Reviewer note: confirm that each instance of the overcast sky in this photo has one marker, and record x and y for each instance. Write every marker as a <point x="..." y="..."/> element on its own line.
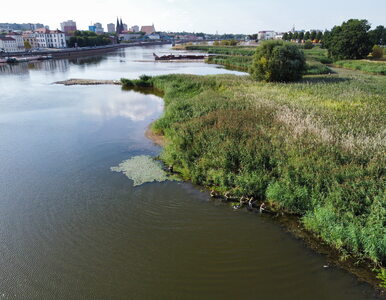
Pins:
<point x="224" y="16"/>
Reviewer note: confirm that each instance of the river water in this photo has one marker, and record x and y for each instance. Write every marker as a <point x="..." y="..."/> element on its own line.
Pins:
<point x="72" y="229"/>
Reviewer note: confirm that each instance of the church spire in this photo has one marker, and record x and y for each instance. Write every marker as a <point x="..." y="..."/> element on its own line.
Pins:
<point x="121" y="26"/>
<point x="117" y="27"/>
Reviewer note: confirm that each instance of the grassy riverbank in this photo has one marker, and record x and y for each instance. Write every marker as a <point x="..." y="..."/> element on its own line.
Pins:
<point x="314" y="148"/>
<point x="368" y="66"/>
<point x="240" y="58"/>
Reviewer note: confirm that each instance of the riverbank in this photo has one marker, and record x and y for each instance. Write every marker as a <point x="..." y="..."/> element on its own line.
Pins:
<point x="302" y="148"/>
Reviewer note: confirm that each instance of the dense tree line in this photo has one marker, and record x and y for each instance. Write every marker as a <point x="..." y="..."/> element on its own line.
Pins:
<point x="88" y="38"/>
<point x="300" y="35"/>
<point x="351" y="40"/>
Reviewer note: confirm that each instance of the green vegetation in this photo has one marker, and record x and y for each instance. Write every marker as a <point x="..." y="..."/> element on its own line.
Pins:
<point x="378" y="35"/>
<point x="308" y="45"/>
<point x="235" y="51"/>
<point x="142" y="169"/>
<point x="381" y="275"/>
<point x="241" y="63"/>
<point x="314" y="148"/>
<point x="377" y="52"/>
<point x="88" y="38"/>
<point x="351" y="40"/>
<point x="225" y="43"/>
<point x="278" y="61"/>
<point x="27" y="45"/>
<point x="143" y="81"/>
<point x="240" y="58"/>
<point x="368" y="66"/>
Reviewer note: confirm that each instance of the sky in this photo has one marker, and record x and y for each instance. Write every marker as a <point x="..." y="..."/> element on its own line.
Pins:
<point x="210" y="16"/>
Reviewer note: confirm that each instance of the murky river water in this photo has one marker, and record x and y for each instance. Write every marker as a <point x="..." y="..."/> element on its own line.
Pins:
<point x="72" y="229"/>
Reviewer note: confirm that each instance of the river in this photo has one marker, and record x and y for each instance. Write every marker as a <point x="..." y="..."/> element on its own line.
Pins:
<point x="72" y="229"/>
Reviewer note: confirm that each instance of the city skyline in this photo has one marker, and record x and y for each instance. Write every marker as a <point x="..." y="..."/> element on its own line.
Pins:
<point x="200" y="16"/>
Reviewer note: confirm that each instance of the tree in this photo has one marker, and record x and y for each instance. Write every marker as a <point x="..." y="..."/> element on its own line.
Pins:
<point x="319" y="36"/>
<point x="285" y="36"/>
<point x="301" y="36"/>
<point x="378" y="35"/>
<point x="325" y="39"/>
<point x="27" y="45"/>
<point x="313" y="35"/>
<point x="349" y="41"/>
<point x="254" y="37"/>
<point x="278" y="61"/>
<point x="307" y="35"/>
<point x="296" y="35"/>
<point x="290" y="36"/>
<point x="377" y="52"/>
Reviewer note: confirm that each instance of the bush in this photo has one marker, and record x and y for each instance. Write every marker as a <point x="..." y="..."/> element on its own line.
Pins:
<point x="278" y="61"/>
<point x="143" y="81"/>
<point x="308" y="45"/>
<point x="377" y="52"/>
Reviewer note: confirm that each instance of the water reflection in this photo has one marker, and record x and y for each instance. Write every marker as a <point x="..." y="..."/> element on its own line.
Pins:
<point x="89" y="60"/>
<point x="129" y="104"/>
<point x="53" y="65"/>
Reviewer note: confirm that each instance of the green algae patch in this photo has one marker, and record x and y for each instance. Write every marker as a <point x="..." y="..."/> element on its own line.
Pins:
<point x="142" y="169"/>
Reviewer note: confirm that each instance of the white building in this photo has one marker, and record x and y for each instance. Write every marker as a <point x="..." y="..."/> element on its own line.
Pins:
<point x="134" y="28"/>
<point x="266" y="35"/>
<point x="129" y="36"/>
<point x="8" y="44"/>
<point x="19" y="40"/>
<point x="50" y="38"/>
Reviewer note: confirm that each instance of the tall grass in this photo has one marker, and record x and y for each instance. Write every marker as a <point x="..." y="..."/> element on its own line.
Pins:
<point x="314" y="148"/>
<point x="374" y="67"/>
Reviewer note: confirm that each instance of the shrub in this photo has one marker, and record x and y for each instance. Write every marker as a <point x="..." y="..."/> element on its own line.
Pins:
<point x="377" y="52"/>
<point x="143" y="81"/>
<point x="278" y="61"/>
<point x="308" y="45"/>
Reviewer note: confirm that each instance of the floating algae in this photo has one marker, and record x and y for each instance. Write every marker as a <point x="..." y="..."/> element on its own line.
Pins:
<point x="142" y="169"/>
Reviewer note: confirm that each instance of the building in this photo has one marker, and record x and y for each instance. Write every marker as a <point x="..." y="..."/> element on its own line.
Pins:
<point x="127" y="36"/>
<point x="45" y="38"/>
<point x="30" y="37"/>
<point x="134" y="28"/>
<point x="68" y="27"/>
<point x="148" y="29"/>
<point x="20" y="27"/>
<point x="111" y="28"/>
<point x="8" y="44"/>
<point x="266" y="35"/>
<point x="98" y="28"/>
<point x="125" y="28"/>
<point x="19" y="40"/>
<point x="92" y="28"/>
